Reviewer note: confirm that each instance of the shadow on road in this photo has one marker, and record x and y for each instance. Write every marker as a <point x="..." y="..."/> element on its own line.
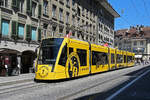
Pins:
<point x="127" y="96"/>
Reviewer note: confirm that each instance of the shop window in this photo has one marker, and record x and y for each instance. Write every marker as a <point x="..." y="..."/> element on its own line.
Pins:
<point x="82" y="56"/>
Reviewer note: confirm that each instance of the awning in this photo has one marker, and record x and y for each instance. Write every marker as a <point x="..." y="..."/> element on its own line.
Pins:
<point x="8" y="51"/>
<point x="138" y="56"/>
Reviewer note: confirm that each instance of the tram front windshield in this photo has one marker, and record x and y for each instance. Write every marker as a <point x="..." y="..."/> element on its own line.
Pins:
<point x="49" y="50"/>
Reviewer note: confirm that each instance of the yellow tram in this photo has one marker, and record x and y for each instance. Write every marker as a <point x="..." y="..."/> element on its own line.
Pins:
<point x="63" y="58"/>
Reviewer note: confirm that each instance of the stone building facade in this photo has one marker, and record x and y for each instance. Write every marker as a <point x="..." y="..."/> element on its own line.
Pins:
<point x="135" y="39"/>
<point x="23" y="23"/>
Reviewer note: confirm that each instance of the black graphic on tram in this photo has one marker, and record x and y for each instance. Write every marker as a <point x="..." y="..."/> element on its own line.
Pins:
<point x="73" y="65"/>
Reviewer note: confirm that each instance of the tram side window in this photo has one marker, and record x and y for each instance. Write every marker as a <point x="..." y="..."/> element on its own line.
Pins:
<point x="129" y="58"/>
<point x="132" y="58"/>
<point x="125" y="60"/>
<point x="82" y="56"/>
<point x="63" y="57"/>
<point x="119" y="58"/>
<point x="112" y="59"/>
<point x="70" y="50"/>
<point x="99" y="58"/>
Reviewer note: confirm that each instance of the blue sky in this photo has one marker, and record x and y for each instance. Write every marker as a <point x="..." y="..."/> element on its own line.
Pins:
<point x="132" y="12"/>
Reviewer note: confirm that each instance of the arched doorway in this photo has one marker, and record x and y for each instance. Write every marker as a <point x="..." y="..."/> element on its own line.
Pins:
<point x="9" y="62"/>
<point x="27" y="59"/>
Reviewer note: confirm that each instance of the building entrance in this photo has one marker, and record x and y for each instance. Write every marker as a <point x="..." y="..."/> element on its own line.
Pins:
<point x="27" y="60"/>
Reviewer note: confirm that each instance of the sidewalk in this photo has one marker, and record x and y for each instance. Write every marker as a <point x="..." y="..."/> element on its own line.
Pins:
<point x="14" y="79"/>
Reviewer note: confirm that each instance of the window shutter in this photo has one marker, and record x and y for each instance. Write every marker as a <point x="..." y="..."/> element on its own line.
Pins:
<point x="39" y="10"/>
<point x="28" y="33"/>
<point x="39" y="34"/>
<point x="14" y="30"/>
<point x="29" y="6"/>
<point x="0" y="28"/>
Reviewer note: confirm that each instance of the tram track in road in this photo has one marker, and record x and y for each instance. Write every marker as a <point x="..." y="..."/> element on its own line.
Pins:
<point x="85" y="89"/>
<point x="18" y="85"/>
<point x="131" y="76"/>
<point x="76" y="88"/>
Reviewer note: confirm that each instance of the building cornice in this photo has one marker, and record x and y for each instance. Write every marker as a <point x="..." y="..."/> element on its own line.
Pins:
<point x="107" y="6"/>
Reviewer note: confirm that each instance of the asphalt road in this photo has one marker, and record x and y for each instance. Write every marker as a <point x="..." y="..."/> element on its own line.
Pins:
<point x="131" y="83"/>
<point x="138" y="89"/>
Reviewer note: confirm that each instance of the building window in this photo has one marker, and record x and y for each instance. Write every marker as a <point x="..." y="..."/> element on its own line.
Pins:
<point x="33" y="34"/>
<point x="4" y="3"/>
<point x="73" y="2"/>
<point x="82" y="11"/>
<point x="94" y="29"/>
<point x="45" y="7"/>
<point x="21" y="3"/>
<point x="78" y="22"/>
<point x="21" y="31"/>
<point x="86" y="28"/>
<point x="141" y="43"/>
<point x="60" y="30"/>
<point x="33" y="9"/>
<point x="67" y="31"/>
<point x="135" y="43"/>
<point x="45" y="30"/>
<point x="54" y="11"/>
<point x="68" y="2"/>
<point x="61" y="14"/>
<point x="82" y="22"/>
<point x="73" y="33"/>
<point x="78" y="11"/>
<point x="67" y="17"/>
<point x="53" y="30"/>
<point x="73" y="20"/>
<point x="5" y="28"/>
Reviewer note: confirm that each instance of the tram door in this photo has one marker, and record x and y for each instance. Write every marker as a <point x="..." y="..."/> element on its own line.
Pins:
<point x="90" y="58"/>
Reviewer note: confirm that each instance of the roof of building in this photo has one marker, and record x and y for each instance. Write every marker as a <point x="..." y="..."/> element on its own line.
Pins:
<point x="136" y="32"/>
